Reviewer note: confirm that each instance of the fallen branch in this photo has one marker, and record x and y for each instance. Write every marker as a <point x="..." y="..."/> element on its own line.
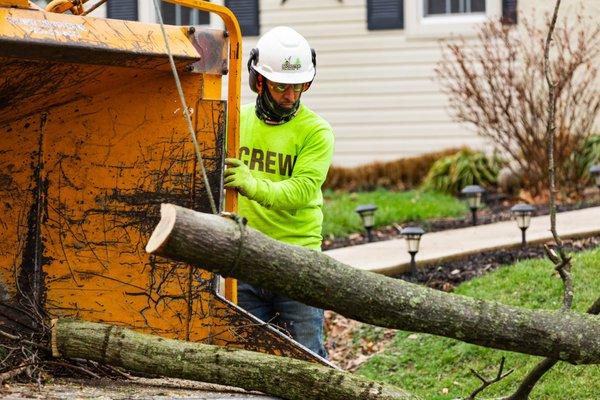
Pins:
<point x="8" y="375"/>
<point x="213" y="243"/>
<point x="22" y="339"/>
<point x="74" y="367"/>
<point x="287" y="378"/>
<point x="18" y="339"/>
<point x="487" y="382"/>
<point x="532" y="378"/>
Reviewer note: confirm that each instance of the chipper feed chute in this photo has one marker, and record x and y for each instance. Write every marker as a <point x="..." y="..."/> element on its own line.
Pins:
<point x="92" y="141"/>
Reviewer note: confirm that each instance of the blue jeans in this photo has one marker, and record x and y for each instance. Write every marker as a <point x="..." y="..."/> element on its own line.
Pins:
<point x="304" y="323"/>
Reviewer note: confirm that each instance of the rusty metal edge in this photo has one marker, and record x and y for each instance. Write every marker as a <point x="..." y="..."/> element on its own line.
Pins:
<point x="85" y="54"/>
<point x="267" y="327"/>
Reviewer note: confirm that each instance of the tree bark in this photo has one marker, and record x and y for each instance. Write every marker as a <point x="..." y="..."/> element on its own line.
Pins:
<point x="287" y="378"/>
<point x="531" y="379"/>
<point x="221" y="245"/>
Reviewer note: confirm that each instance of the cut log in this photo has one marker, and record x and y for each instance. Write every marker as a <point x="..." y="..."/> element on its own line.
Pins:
<point x="219" y="244"/>
<point x="283" y="377"/>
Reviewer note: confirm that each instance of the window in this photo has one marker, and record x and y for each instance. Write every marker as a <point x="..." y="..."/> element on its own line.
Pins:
<point x="178" y="15"/>
<point x="443" y="18"/>
<point x="442" y="7"/>
<point x="123" y="9"/>
<point x="246" y="12"/>
<point x="385" y="14"/>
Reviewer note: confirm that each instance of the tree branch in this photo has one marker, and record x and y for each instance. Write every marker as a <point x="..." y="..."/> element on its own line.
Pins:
<point x="488" y="382"/>
<point x="529" y="382"/>
<point x="211" y="243"/>
<point x="274" y="375"/>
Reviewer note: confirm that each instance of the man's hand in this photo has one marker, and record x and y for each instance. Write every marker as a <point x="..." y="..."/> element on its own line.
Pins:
<point x="239" y="177"/>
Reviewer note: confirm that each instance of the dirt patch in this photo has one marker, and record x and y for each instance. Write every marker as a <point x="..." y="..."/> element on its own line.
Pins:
<point x="350" y="343"/>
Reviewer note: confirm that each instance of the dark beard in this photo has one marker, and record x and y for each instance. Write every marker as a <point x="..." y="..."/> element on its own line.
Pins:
<point x="272" y="113"/>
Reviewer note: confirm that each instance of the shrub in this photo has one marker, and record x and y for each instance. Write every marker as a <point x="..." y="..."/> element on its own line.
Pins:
<point x="402" y="174"/>
<point x="466" y="167"/>
<point x="579" y="163"/>
<point x="497" y="84"/>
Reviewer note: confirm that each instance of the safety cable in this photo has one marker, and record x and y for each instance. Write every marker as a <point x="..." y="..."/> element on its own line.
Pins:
<point x="185" y="110"/>
<point x="94" y="7"/>
<point x="242" y="222"/>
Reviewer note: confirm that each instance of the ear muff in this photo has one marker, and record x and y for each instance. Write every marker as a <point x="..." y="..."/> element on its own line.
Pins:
<point x="253" y="75"/>
<point x="314" y="61"/>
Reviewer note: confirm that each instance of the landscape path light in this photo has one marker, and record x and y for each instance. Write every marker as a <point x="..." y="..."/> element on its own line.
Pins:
<point x="473" y="193"/>
<point x="522" y="213"/>
<point x="367" y="214"/>
<point x="595" y="173"/>
<point x="412" y="234"/>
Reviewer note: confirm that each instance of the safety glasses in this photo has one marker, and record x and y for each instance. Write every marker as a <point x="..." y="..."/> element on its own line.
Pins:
<point x="282" y="87"/>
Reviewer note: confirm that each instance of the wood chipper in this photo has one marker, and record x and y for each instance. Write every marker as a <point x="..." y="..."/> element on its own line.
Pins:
<point x="93" y="140"/>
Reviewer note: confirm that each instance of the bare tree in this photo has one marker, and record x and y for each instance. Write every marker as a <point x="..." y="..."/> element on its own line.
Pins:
<point x="498" y="85"/>
<point x="561" y="261"/>
<point x="555" y="252"/>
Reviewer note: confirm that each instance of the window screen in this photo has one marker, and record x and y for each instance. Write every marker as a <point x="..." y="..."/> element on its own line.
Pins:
<point x="437" y="7"/>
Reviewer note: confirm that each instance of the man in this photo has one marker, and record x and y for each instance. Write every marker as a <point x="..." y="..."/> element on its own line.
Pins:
<point x="285" y="152"/>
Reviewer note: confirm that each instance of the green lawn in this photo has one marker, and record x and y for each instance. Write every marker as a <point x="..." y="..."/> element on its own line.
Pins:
<point x="341" y="220"/>
<point x="438" y="368"/>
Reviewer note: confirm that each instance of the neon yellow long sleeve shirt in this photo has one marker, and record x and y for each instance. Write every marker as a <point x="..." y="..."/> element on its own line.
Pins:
<point x="290" y="163"/>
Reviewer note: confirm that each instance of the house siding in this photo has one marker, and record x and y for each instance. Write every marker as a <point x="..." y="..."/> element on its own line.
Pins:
<point x="376" y="88"/>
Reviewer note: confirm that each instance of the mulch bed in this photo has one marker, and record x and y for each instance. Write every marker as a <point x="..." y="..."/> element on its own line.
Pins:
<point x="445" y="276"/>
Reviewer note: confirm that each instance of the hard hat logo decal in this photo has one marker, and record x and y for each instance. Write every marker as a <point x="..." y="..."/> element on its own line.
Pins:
<point x="289" y="66"/>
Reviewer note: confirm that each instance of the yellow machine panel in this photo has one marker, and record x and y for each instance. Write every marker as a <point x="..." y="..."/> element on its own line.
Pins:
<point x="92" y="141"/>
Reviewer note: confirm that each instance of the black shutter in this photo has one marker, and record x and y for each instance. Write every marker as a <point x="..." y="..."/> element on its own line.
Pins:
<point x="186" y="15"/>
<point x="509" y="12"/>
<point x="247" y="13"/>
<point x="122" y="9"/>
<point x="385" y="14"/>
<point x="203" y="17"/>
<point x="168" y="12"/>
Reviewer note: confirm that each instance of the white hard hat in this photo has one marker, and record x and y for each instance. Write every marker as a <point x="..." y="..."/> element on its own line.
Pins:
<point x="284" y="56"/>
